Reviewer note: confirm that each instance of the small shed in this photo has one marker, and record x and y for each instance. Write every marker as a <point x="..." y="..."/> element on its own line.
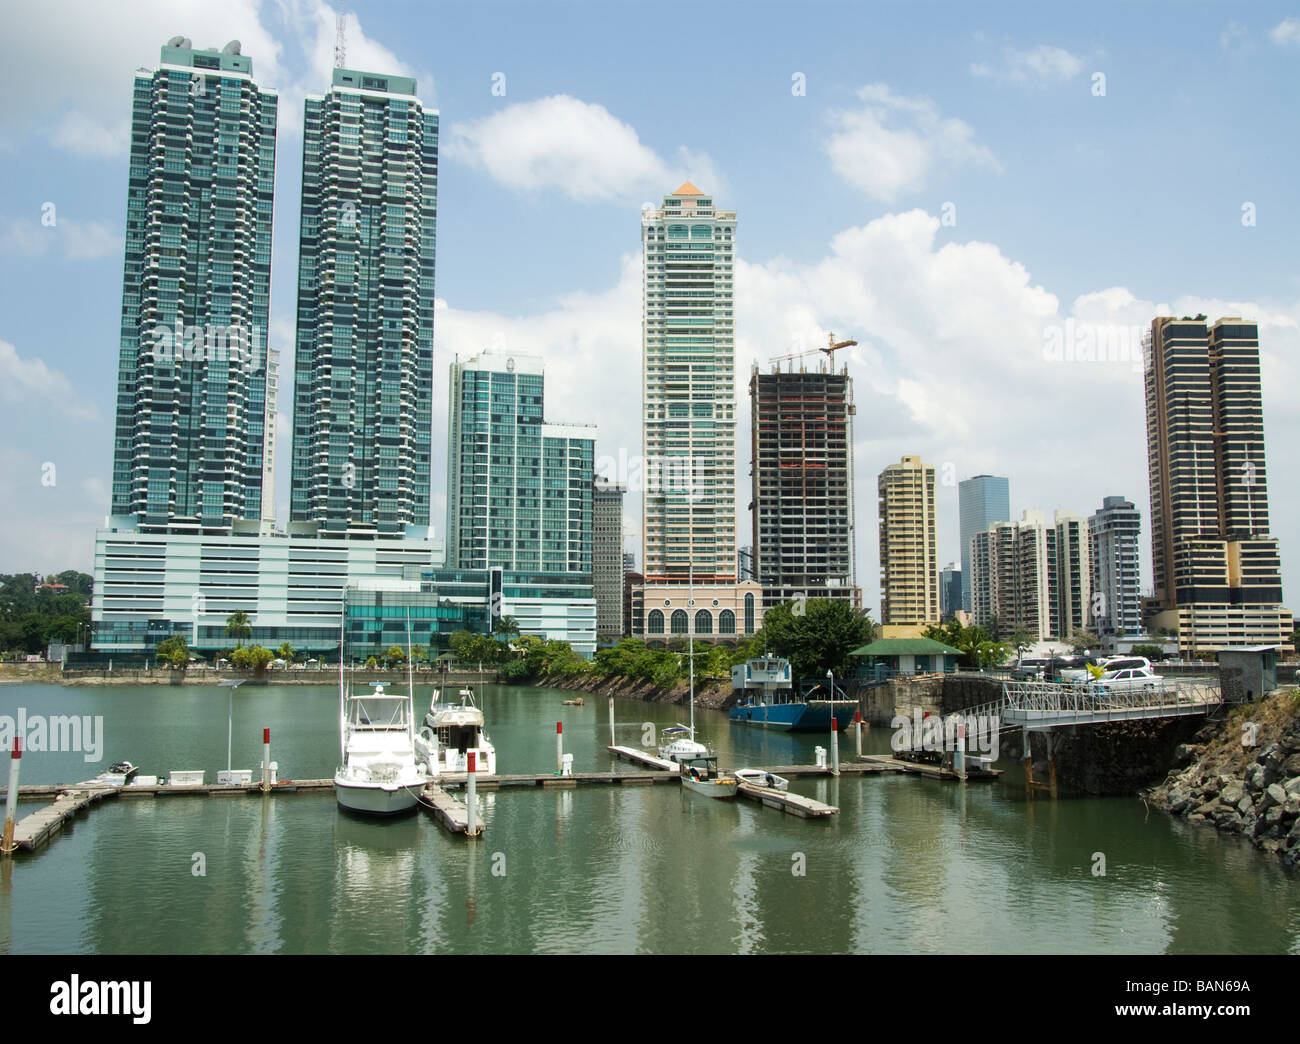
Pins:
<point x="910" y="655"/>
<point x="1247" y="672"/>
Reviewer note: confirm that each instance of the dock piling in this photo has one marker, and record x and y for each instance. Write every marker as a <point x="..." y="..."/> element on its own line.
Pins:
<point x="11" y="798"/>
<point x="835" y="747"/>
<point x="611" y="721"/>
<point x="471" y="799"/>
<point x="858" y="726"/>
<point x="266" y="760"/>
<point x="559" y="747"/>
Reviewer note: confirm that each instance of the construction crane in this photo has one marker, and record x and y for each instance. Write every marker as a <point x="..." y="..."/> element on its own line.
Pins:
<point x="829" y="351"/>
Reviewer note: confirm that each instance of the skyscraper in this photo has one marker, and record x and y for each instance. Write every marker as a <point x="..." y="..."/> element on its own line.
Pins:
<point x="949" y="590"/>
<point x="689" y="390"/>
<point x="909" y="559"/>
<point x="607" y="556"/>
<point x="1217" y="569"/>
<point x="802" y="426"/>
<point x="981" y="501"/>
<point x="193" y="416"/>
<point x="519" y="489"/>
<point x="363" y="375"/>
<point x="1113" y="532"/>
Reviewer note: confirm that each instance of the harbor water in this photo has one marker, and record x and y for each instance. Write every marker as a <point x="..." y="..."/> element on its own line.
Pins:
<point x="908" y="866"/>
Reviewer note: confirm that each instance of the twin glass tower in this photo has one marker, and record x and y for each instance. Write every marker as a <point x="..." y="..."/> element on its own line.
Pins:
<point x="195" y="425"/>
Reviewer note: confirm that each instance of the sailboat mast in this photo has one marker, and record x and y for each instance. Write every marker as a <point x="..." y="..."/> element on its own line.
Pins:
<point x="690" y="638"/>
<point x="343" y="743"/>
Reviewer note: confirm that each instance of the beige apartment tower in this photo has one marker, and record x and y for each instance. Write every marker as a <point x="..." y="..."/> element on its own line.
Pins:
<point x="909" y="558"/>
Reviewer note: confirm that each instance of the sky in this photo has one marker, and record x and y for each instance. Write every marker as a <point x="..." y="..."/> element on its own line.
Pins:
<point x="958" y="187"/>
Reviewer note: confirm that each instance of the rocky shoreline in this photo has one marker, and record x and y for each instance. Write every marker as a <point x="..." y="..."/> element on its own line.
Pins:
<point x="716" y="695"/>
<point x="1242" y="775"/>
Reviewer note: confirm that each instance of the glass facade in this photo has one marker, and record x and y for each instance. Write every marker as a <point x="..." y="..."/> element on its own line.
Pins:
<point x="981" y="501"/>
<point x="193" y="416"/>
<point x="363" y="375"/>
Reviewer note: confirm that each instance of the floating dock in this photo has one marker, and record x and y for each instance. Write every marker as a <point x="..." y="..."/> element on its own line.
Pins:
<point x="795" y="804"/>
<point x="912" y="768"/>
<point x="449" y="812"/>
<point x="35" y="829"/>
<point x="642" y="757"/>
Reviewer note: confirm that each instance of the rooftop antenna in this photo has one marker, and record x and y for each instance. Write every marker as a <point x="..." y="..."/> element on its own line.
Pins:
<point x="340" y="36"/>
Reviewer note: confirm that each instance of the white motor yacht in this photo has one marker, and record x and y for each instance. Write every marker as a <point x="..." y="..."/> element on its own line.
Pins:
<point x="450" y="733"/>
<point x="380" y="773"/>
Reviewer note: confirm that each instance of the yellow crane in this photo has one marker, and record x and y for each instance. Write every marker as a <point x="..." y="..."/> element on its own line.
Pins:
<point x="829" y="351"/>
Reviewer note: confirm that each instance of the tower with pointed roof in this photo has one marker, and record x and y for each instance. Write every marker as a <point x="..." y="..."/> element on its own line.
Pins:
<point x="688" y="363"/>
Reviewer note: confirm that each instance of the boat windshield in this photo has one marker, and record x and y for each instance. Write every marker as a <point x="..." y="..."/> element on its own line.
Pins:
<point x="377" y="712"/>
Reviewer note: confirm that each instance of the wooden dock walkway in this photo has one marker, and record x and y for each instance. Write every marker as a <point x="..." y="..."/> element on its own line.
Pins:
<point x="912" y="768"/>
<point x="36" y="828"/>
<point x="643" y="757"/>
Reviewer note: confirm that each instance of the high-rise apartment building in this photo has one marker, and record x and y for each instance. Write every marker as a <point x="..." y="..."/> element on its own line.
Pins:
<point x="193" y="415"/>
<point x="363" y="374"/>
<point x="1217" y="569"/>
<point x="1033" y="576"/>
<point x="909" y="558"/>
<point x="519" y="489"/>
<point x="949" y="590"/>
<point x="802" y="428"/>
<point x="1113" y="532"/>
<point x="607" y="556"/>
<point x="981" y="501"/>
<point x="689" y="390"/>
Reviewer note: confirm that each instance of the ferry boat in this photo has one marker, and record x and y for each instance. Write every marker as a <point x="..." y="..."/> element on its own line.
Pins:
<point x="450" y="733"/>
<point x="768" y="700"/>
<point x="379" y="774"/>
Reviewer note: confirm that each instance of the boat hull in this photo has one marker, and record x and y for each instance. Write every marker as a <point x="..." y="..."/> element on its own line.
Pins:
<point x="722" y="789"/>
<point x="374" y="800"/>
<point x="814" y="716"/>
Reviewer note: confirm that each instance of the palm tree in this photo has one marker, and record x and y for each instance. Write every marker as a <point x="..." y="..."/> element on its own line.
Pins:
<point x="285" y="652"/>
<point x="506" y="625"/>
<point x="238" y="626"/>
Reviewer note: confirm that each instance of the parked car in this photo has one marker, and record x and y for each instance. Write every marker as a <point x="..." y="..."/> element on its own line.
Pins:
<point x="1126" y="680"/>
<point x="1029" y="668"/>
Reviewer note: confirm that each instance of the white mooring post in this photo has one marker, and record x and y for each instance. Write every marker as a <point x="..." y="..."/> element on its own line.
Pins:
<point x="959" y="752"/>
<point x="835" y="747"/>
<point x="471" y="801"/>
<point x="858" y="726"/>
<point x="611" y="721"/>
<point x="559" y="747"/>
<point x="11" y="798"/>
<point x="266" y="760"/>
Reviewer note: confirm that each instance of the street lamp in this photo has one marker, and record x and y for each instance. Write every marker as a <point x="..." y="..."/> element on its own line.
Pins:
<point x="230" y="717"/>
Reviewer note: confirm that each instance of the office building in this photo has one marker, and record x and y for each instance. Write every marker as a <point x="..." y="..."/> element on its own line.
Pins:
<point x="949" y="590"/>
<point x="1113" y="534"/>
<point x="194" y="420"/>
<point x="802" y="430"/>
<point x="607" y="566"/>
<point x="519" y="489"/>
<point x="363" y="373"/>
<point x="1217" y="569"/>
<point x="909" y="560"/>
<point x="981" y="501"/>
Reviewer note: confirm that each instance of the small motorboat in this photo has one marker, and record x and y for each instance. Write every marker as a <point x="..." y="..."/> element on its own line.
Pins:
<point x="701" y="775"/>
<point x="124" y="769"/>
<point x="763" y="778"/>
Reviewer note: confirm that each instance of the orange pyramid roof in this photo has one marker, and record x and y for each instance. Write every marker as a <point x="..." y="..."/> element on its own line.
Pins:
<point x="687" y="189"/>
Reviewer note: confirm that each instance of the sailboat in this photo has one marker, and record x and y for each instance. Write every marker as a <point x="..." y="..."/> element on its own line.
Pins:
<point x="379" y="773"/>
<point x="699" y="768"/>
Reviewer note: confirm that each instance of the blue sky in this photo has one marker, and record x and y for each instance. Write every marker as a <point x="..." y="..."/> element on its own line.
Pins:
<point x="1069" y="203"/>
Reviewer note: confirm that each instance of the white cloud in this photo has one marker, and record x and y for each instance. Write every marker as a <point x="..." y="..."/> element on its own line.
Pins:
<point x="577" y="148"/>
<point x="889" y="147"/>
<point x="31" y="381"/>
<point x="75" y="239"/>
<point x="1234" y="35"/>
<point x="1286" y="33"/>
<point x="1043" y="63"/>
<point x="87" y="136"/>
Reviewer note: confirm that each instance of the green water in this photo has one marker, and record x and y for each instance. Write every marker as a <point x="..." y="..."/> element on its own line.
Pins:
<point x="909" y="865"/>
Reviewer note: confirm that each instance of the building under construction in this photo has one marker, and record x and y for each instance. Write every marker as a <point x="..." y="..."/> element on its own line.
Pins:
<point x="802" y="424"/>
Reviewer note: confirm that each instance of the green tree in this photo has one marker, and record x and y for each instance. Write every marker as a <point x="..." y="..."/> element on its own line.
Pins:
<point x="251" y="657"/>
<point x="1081" y="640"/>
<point x="1022" y="640"/>
<point x="174" y="652"/>
<point x="285" y="652"/>
<point x="1151" y="652"/>
<point x="507" y="626"/>
<point x="238" y="626"/>
<point x="819" y="638"/>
